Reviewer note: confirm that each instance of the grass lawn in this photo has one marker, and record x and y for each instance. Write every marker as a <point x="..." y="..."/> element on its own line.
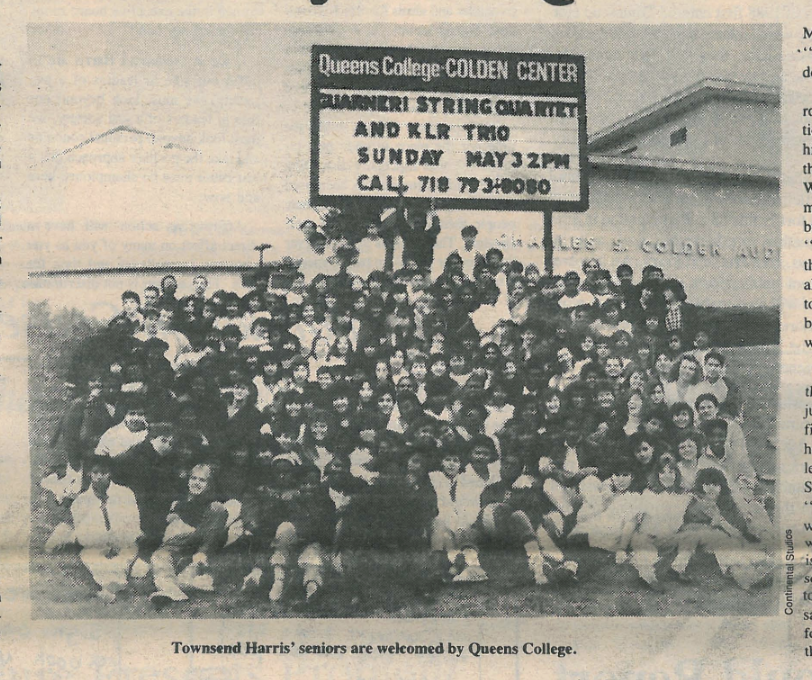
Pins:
<point x="380" y="584"/>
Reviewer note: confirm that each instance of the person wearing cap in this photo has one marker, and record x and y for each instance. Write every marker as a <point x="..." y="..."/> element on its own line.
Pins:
<point x="196" y="528"/>
<point x="265" y="504"/>
<point x="106" y="525"/>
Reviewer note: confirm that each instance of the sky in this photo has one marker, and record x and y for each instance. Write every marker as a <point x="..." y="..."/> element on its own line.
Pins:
<point x="236" y="99"/>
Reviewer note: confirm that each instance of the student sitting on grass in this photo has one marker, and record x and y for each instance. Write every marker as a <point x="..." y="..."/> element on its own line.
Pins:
<point x="513" y="511"/>
<point x="458" y="496"/>
<point x="712" y="521"/>
<point x="106" y="525"/>
<point x="196" y="530"/>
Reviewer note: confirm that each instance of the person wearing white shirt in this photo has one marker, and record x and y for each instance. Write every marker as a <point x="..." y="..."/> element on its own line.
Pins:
<point x="569" y="370"/>
<point x="106" y="524"/>
<point x="122" y="437"/>
<point x="494" y="310"/>
<point x="573" y="295"/>
<point x="499" y="411"/>
<point x="310" y="328"/>
<point x="458" y="496"/>
<point x="469" y="254"/>
<point x="156" y="325"/>
<point x="371" y="253"/>
<point x="706" y="407"/>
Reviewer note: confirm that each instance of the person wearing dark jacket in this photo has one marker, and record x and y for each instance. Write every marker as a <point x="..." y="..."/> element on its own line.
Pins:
<point x="397" y="510"/>
<point x="680" y="316"/>
<point x="196" y="528"/>
<point x="151" y="470"/>
<point x="296" y="509"/>
<point x="81" y="426"/>
<point x="513" y="511"/>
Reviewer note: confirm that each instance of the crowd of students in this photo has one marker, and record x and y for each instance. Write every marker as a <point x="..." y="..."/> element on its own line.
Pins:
<point x="490" y="407"/>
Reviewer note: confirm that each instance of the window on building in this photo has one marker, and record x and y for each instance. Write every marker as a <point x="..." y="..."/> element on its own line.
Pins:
<point x="679" y="136"/>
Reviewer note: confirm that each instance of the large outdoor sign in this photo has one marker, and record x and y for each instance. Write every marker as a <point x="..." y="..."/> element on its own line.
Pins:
<point x="470" y="129"/>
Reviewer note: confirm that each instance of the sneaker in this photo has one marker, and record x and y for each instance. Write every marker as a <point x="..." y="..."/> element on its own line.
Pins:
<point x="621" y="557"/>
<point x="61" y="537"/>
<point x="187" y="576"/>
<point x="139" y="569"/>
<point x="203" y="582"/>
<point x="196" y="577"/>
<point x="106" y="596"/>
<point x="277" y="589"/>
<point x="566" y="572"/>
<point x="537" y="566"/>
<point x="251" y="581"/>
<point x="471" y="575"/>
<point x="161" y="598"/>
<point x="682" y="577"/>
<point x="116" y="586"/>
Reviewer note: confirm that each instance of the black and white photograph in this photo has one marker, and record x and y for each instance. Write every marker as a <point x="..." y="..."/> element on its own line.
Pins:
<point x="403" y="321"/>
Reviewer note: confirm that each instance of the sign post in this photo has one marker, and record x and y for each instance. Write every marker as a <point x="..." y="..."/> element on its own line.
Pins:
<point x="547" y="242"/>
<point x="467" y="129"/>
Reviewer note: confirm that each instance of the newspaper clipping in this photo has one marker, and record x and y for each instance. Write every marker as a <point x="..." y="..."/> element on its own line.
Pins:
<point x="407" y="341"/>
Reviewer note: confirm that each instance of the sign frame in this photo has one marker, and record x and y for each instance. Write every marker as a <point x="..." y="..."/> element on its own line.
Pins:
<point x="348" y="81"/>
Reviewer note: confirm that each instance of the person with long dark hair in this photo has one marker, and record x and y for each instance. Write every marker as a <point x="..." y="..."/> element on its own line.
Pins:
<point x="713" y="521"/>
